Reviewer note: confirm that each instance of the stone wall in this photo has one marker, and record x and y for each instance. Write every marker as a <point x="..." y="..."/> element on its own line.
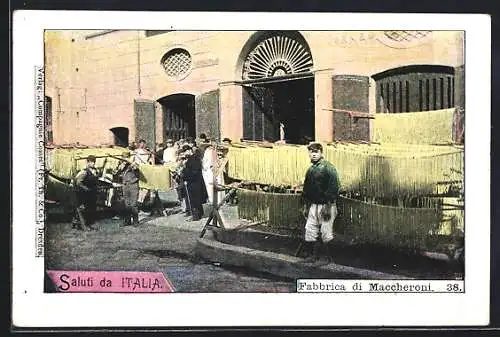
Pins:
<point x="93" y="77"/>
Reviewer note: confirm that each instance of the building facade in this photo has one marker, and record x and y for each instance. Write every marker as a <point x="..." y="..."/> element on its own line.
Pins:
<point x="115" y="86"/>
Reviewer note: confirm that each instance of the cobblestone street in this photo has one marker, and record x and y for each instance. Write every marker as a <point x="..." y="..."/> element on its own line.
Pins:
<point x="165" y="244"/>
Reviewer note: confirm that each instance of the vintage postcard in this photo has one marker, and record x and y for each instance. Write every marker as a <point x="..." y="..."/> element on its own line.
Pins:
<point x="218" y="169"/>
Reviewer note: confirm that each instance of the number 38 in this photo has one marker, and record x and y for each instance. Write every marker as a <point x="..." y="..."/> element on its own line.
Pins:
<point x="453" y="287"/>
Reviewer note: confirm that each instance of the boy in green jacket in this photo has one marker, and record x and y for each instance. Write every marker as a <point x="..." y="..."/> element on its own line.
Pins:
<point x="320" y="192"/>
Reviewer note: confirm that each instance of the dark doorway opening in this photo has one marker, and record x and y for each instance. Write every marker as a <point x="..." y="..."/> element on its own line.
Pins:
<point x="279" y="109"/>
<point x="120" y="135"/>
<point x="178" y="116"/>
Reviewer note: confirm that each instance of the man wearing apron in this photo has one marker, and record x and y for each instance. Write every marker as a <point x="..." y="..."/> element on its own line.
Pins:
<point x="141" y="156"/>
<point x="86" y="195"/>
<point x="130" y="186"/>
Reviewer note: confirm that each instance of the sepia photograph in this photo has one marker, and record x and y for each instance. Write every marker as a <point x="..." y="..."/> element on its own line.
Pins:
<point x="252" y="161"/>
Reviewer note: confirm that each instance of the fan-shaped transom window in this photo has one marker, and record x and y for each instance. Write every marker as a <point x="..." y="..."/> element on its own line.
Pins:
<point x="277" y="55"/>
<point x="177" y="63"/>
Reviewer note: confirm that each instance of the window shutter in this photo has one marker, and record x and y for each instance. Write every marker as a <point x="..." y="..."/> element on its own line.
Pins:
<point x="460" y="86"/>
<point x="145" y="121"/>
<point x="259" y="120"/>
<point x="207" y="114"/>
<point x="459" y="115"/>
<point x="350" y="93"/>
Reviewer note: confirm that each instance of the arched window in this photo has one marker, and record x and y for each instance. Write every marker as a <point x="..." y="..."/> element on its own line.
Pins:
<point x="415" y="88"/>
<point x="278" y="90"/>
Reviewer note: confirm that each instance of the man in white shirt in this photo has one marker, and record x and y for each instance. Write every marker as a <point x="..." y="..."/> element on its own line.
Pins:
<point x="142" y="155"/>
<point x="169" y="153"/>
<point x="208" y="163"/>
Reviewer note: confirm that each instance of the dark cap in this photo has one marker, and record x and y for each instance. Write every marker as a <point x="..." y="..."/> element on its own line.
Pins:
<point x="91" y="158"/>
<point x="315" y="147"/>
<point x="222" y="149"/>
<point x="186" y="147"/>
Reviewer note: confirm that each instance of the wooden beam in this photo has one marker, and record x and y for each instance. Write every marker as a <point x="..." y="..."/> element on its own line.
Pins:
<point x="354" y="114"/>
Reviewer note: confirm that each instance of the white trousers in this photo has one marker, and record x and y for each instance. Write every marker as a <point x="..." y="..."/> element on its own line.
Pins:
<point x="208" y="177"/>
<point x="315" y="224"/>
<point x="142" y="195"/>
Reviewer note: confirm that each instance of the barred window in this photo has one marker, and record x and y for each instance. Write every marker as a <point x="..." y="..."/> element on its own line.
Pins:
<point x="415" y="88"/>
<point x="176" y="63"/>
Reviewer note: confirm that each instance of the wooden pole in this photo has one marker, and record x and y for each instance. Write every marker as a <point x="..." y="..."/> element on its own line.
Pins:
<point x="214" y="187"/>
<point x="215" y="212"/>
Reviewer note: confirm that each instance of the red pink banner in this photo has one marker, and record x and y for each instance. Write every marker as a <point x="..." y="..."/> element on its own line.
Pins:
<point x="110" y="282"/>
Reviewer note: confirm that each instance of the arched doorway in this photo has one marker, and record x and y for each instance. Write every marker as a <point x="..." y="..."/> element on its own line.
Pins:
<point x="178" y="116"/>
<point x="120" y="136"/>
<point x="278" y="87"/>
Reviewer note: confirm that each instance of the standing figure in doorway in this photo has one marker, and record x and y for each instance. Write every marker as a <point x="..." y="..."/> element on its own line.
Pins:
<point x="282" y="131"/>
<point x="320" y="192"/>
